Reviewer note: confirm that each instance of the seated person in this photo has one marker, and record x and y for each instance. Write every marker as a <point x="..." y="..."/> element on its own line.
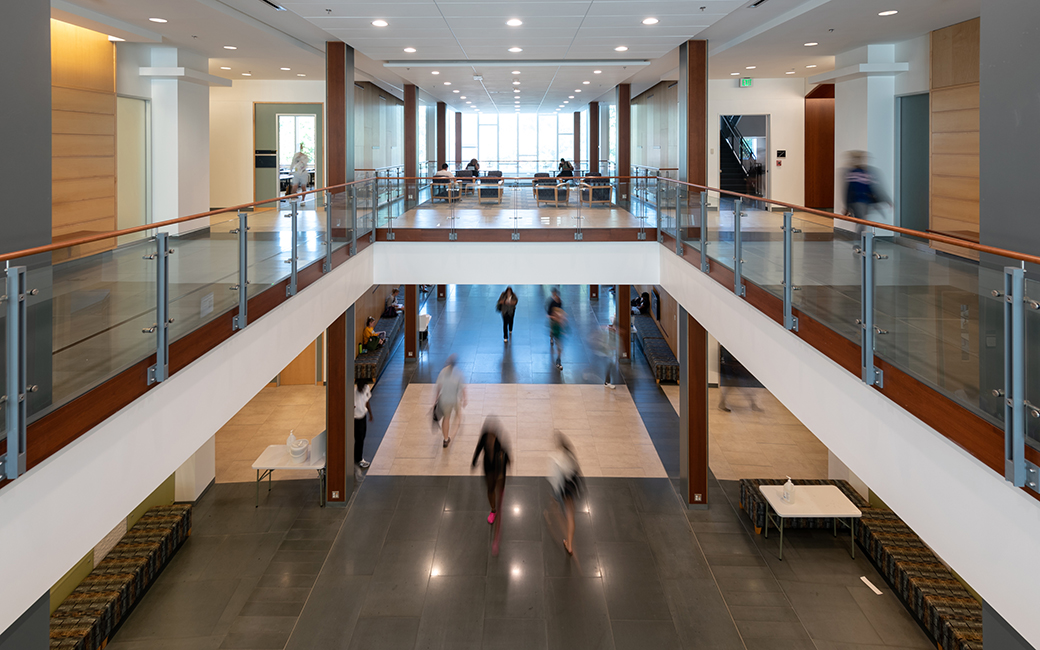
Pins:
<point x="444" y="172"/>
<point x="641" y="305"/>
<point x="565" y="169"/>
<point x="390" y="306"/>
<point x="371" y="339"/>
<point x="475" y="166"/>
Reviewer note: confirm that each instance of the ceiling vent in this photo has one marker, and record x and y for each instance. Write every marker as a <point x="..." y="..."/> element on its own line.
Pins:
<point x="757" y="3"/>
<point x="278" y="7"/>
<point x="478" y="77"/>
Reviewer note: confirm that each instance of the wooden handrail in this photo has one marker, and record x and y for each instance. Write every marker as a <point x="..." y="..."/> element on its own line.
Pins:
<point x="943" y="239"/>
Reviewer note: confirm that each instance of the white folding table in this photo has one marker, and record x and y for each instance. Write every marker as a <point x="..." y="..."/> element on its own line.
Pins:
<point x="813" y="501"/>
<point x="277" y="457"/>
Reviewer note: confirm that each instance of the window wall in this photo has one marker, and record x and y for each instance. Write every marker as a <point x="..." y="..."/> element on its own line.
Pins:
<point x="517" y="144"/>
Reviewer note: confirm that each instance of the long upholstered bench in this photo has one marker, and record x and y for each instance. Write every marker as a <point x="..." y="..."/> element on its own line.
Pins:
<point x="91" y="613"/>
<point x="656" y="350"/>
<point x="369" y="365"/>
<point x="930" y="591"/>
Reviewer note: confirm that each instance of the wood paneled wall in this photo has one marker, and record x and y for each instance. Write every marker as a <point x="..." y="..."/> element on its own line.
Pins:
<point x="379" y="125"/>
<point x="954" y="188"/>
<point x="819" y="147"/>
<point x="655" y="118"/>
<point x="371" y="304"/>
<point x="83" y="123"/>
<point x="669" y="323"/>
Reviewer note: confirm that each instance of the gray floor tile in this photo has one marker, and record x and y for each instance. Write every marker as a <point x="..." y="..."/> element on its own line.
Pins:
<point x="890" y="619"/>
<point x="639" y="598"/>
<point x="453" y="617"/>
<point x="328" y="619"/>
<point x="771" y="614"/>
<point x="700" y="615"/>
<point x="259" y="632"/>
<point x="515" y="596"/>
<point x="357" y="550"/>
<point x="179" y="609"/>
<point x="515" y="634"/>
<point x="576" y="614"/>
<point x="384" y="634"/>
<point x="190" y="643"/>
<point x="637" y="635"/>
<point x="463" y="544"/>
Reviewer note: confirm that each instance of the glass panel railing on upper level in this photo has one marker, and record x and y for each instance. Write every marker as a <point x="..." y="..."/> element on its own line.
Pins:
<point x="1032" y="362"/>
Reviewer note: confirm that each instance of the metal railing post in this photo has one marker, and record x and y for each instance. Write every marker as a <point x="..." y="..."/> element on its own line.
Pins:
<point x="327" y="265"/>
<point x="160" y="371"/>
<point x="790" y="322"/>
<point x="738" y="278"/>
<point x="657" y="211"/>
<point x="293" y="260"/>
<point x="1019" y="471"/>
<point x="18" y="387"/>
<point x="242" y="319"/>
<point x="870" y="373"/>
<point x="704" y="233"/>
<point x="678" y="220"/>
<point x="578" y="235"/>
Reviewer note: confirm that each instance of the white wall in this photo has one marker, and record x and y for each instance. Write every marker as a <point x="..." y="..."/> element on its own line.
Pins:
<point x="980" y="525"/>
<point x="231" y="132"/>
<point x="916" y="52"/>
<point x="784" y="101"/>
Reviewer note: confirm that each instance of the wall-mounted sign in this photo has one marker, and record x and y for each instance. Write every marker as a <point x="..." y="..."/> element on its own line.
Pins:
<point x="781" y="153"/>
<point x="745" y="82"/>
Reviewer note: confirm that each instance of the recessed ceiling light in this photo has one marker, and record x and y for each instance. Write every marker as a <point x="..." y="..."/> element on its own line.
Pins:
<point x="734" y="74"/>
<point x="455" y="91"/>
<point x="570" y="96"/>
<point x="811" y="44"/>
<point x="380" y="23"/>
<point x="410" y="50"/>
<point x="224" y="67"/>
<point x="650" y="21"/>
<point x="447" y="83"/>
<point x="516" y="49"/>
<point x="158" y="20"/>
<point x="230" y="47"/>
<point x="434" y="72"/>
<point x="469" y="102"/>
<point x="561" y="105"/>
<point x="566" y="101"/>
<point x="751" y="67"/>
<point x="516" y="90"/>
<point x="300" y="74"/>
<point x="811" y="66"/>
<point x="463" y="97"/>
<point x="286" y="69"/>
<point x="888" y="13"/>
<point x="620" y="48"/>
<point x="597" y="72"/>
<point x="115" y="39"/>
<point x="585" y="83"/>
<point x="789" y="72"/>
<point x="514" y="22"/>
<point x="247" y="74"/>
<point x="577" y="90"/>
<point x="516" y="83"/>
<point x="515" y="72"/>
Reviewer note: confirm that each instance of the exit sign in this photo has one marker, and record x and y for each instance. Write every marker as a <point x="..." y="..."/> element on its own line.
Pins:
<point x="745" y="82"/>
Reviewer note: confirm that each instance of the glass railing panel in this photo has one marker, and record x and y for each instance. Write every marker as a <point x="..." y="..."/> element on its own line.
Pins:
<point x="826" y="274"/>
<point x="940" y="322"/>
<point x="3" y="359"/>
<point x="269" y="241"/>
<point x="1032" y="359"/>
<point x="203" y="268"/>
<point x="85" y="323"/>
<point x="691" y="216"/>
<point x="762" y="247"/>
<point x="338" y="218"/>
<point x="720" y="229"/>
<point x="667" y="208"/>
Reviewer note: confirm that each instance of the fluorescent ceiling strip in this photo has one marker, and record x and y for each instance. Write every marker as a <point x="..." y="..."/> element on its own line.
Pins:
<point x="514" y="63"/>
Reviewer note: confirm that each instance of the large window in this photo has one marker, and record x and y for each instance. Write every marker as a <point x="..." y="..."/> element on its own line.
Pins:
<point x="518" y="144"/>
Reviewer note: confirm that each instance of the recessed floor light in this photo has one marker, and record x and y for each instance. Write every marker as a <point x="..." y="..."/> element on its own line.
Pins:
<point x="410" y="50"/>
<point x="811" y="44"/>
<point x="734" y="74"/>
<point x="224" y="67"/>
<point x="888" y="13"/>
<point x="380" y="23"/>
<point x="515" y="72"/>
<point x="286" y="69"/>
<point x="751" y="67"/>
<point x="516" y="49"/>
<point x="597" y="72"/>
<point x="158" y="20"/>
<point x="514" y="22"/>
<point x="811" y="66"/>
<point x="650" y="21"/>
<point x="621" y="48"/>
<point x="230" y="47"/>
<point x="434" y="72"/>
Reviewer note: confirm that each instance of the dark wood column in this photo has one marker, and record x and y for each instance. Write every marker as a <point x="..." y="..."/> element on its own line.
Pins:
<point x="594" y="137"/>
<point x="693" y="411"/>
<point x="411" y="148"/>
<point x="339" y="405"/>
<point x="442" y="133"/>
<point x="577" y="143"/>
<point x="693" y="112"/>
<point x="594" y="291"/>
<point x="624" y="139"/>
<point x="458" y="138"/>
<point x="411" y="320"/>
<point x="623" y="322"/>
<point x="442" y="291"/>
<point x="339" y="106"/>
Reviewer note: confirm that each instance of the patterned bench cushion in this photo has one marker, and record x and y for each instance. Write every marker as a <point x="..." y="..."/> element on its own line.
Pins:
<point x="646" y="327"/>
<point x="661" y="359"/>
<point x="754" y="504"/>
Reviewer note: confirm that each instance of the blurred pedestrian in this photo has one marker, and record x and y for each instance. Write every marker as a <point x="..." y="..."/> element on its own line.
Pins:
<point x="507" y="307"/>
<point x="567" y="485"/>
<point x="451" y="397"/>
<point x="863" y="193"/>
<point x="362" y="416"/>
<point x="496" y="463"/>
<point x="557" y="328"/>
<point x="298" y="167"/>
<point x="554" y="301"/>
<point x="608" y="345"/>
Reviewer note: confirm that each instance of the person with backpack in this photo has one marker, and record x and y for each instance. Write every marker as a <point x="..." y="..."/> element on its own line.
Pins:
<point x="507" y="307"/>
<point x="496" y="463"/>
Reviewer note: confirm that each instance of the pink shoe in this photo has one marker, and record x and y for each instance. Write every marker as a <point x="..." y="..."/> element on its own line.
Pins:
<point x="491" y="518"/>
<point x="494" y="548"/>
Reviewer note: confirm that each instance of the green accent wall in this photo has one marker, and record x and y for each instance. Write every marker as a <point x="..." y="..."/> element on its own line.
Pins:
<point x="265" y="134"/>
<point x="71" y="580"/>
<point x="162" y="496"/>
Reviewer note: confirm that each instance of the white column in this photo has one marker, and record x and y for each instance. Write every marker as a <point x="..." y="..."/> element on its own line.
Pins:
<point x="194" y="476"/>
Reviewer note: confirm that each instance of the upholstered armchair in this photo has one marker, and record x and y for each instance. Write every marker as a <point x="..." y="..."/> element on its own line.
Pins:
<point x="595" y="189"/>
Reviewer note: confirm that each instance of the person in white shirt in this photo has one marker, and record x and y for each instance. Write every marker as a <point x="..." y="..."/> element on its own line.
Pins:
<point x="444" y="172"/>
<point x="299" y="170"/>
<point x="362" y="415"/>
<point x="451" y="396"/>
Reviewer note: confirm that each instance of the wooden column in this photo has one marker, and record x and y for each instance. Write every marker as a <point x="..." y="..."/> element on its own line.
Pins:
<point x="577" y="143"/>
<point x="458" y="138"/>
<point x="442" y="291"/>
<point x="693" y="411"/>
<point x="624" y="146"/>
<point x="339" y="87"/>
<point x="594" y="291"/>
<point x="594" y="137"/>
<point x="411" y="149"/>
<point x="623" y="322"/>
<point x="693" y="112"/>
<point x="411" y="320"/>
<point x="339" y="405"/>
<point x="442" y="134"/>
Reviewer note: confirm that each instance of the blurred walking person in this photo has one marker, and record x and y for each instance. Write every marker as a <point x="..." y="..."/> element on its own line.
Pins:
<point x="567" y="485"/>
<point x="608" y="345"/>
<point x="362" y="416"/>
<point x="507" y="307"/>
<point x="554" y="302"/>
<point x="496" y="464"/>
<point x="451" y="397"/>
<point x="557" y="329"/>
<point x="862" y="191"/>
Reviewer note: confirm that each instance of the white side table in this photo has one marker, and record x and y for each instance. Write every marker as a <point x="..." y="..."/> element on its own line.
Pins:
<point x="815" y="501"/>
<point x="277" y="457"/>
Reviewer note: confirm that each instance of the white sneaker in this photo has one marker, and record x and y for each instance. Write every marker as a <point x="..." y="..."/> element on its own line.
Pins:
<point x="610" y="385"/>
<point x="364" y="464"/>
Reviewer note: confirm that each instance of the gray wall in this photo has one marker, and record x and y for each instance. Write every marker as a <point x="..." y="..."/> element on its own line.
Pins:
<point x="997" y="634"/>
<point x="912" y="199"/>
<point x="32" y="629"/>
<point x="25" y="48"/>
<point x="1010" y="125"/>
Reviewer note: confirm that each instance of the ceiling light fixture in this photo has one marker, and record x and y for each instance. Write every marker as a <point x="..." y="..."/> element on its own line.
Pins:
<point x="230" y="47"/>
<point x="434" y="72"/>
<point x="515" y="72"/>
<point x="447" y="83"/>
<point x="286" y="69"/>
<point x="516" y="90"/>
<point x="811" y="66"/>
<point x="888" y="13"/>
<point x="410" y="50"/>
<point x="224" y="67"/>
<point x="811" y="44"/>
<point x="734" y="74"/>
<point x="566" y="101"/>
<point x="585" y="83"/>
<point x="380" y="23"/>
<point x="455" y="91"/>
<point x="469" y="102"/>
<point x="789" y="72"/>
<point x="577" y="90"/>
<point x="463" y="97"/>
<point x="514" y="22"/>
<point x="751" y="67"/>
<point x="570" y="96"/>
<point x="516" y="83"/>
<point x="115" y="39"/>
<point x="621" y="48"/>
<point x="247" y="74"/>
<point x="597" y="72"/>
<point x="650" y="21"/>
<point x="300" y="74"/>
<point x="158" y="20"/>
<point x="515" y="50"/>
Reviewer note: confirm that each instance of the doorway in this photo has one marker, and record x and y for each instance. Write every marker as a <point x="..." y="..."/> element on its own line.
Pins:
<point x="743" y="154"/>
<point x="279" y="129"/>
<point x="912" y="177"/>
<point x="296" y="149"/>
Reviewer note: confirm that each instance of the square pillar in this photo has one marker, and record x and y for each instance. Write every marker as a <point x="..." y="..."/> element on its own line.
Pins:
<point x="624" y="146"/>
<point x="411" y="146"/>
<point x="594" y="137"/>
<point x="411" y="322"/>
<point x="693" y="112"/>
<point x="693" y="411"/>
<point x="577" y="143"/>
<point x="339" y="405"/>
<point x="594" y="292"/>
<point x="458" y="138"/>
<point x="442" y="134"/>
<point x="339" y="102"/>
<point x="623" y="322"/>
